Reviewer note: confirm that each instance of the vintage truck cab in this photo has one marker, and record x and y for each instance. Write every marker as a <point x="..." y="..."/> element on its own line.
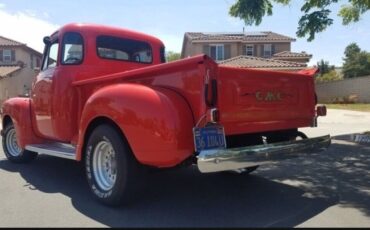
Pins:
<point x="106" y="97"/>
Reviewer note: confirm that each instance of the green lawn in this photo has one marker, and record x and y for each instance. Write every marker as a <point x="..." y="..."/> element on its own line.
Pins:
<point x="355" y="107"/>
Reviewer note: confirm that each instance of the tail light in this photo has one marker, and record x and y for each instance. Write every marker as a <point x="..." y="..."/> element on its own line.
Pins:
<point x="321" y="110"/>
<point x="212" y="102"/>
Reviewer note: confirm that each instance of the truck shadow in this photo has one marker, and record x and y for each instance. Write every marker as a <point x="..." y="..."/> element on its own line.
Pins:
<point x="275" y="196"/>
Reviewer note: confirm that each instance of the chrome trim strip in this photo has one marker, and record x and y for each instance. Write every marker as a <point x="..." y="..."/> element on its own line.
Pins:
<point x="237" y="158"/>
<point x="54" y="149"/>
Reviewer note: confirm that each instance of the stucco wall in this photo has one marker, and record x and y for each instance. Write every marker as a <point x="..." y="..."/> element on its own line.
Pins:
<point x="18" y="84"/>
<point x="22" y="55"/>
<point x="236" y="48"/>
<point x="329" y="91"/>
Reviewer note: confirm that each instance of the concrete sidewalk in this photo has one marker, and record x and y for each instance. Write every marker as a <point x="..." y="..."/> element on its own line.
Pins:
<point x="340" y="122"/>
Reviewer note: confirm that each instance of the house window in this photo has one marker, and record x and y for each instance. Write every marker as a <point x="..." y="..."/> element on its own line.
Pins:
<point x="217" y="52"/>
<point x="267" y="50"/>
<point x="249" y="50"/>
<point x="7" y="56"/>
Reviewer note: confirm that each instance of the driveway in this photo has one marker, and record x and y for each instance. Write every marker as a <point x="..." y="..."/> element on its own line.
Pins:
<point x="339" y="122"/>
<point x="330" y="189"/>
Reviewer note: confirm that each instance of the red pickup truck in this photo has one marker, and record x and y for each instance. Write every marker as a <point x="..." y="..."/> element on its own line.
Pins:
<point x="106" y="97"/>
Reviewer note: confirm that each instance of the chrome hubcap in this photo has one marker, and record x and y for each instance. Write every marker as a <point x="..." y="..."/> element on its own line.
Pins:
<point x="104" y="165"/>
<point x="12" y="144"/>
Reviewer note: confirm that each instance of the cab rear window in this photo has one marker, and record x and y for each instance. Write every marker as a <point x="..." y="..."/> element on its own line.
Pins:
<point x="123" y="49"/>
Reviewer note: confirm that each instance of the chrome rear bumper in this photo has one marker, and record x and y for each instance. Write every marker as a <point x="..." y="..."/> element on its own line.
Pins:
<point x="216" y="160"/>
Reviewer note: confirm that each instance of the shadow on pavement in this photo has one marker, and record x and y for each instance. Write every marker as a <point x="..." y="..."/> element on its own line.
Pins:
<point x="283" y="195"/>
<point x="341" y="173"/>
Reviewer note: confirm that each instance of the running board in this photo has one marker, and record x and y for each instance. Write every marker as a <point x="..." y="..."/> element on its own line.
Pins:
<point x="54" y="149"/>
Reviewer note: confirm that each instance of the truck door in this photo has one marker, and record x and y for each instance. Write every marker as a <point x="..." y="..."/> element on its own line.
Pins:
<point x="42" y="89"/>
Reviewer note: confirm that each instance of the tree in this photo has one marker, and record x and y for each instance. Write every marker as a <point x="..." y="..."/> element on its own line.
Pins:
<point x="351" y="51"/>
<point x="327" y="72"/>
<point x="332" y="75"/>
<point x="324" y="67"/>
<point x="172" y="56"/>
<point x="356" y="62"/>
<point x="315" y="18"/>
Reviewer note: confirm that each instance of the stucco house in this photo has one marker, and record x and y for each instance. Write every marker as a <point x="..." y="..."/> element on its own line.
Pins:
<point x="17" y="68"/>
<point x="244" y="48"/>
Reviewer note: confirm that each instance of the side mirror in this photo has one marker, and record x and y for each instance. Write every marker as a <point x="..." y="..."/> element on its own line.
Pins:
<point x="47" y="40"/>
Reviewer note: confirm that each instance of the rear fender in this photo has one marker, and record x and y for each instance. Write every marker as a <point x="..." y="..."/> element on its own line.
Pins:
<point x="156" y="122"/>
<point x="19" y="111"/>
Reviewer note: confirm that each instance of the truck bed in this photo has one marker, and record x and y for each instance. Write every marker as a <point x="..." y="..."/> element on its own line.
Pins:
<point x="249" y="100"/>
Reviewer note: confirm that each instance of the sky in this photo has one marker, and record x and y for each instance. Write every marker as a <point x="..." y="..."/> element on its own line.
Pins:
<point x="29" y="21"/>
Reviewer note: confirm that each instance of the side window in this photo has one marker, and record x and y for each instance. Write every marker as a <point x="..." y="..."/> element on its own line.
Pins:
<point x="72" y="49"/>
<point x="52" y="56"/>
<point x="163" y="54"/>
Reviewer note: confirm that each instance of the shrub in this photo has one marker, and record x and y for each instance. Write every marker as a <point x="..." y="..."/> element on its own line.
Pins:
<point x="350" y="99"/>
<point x="330" y="76"/>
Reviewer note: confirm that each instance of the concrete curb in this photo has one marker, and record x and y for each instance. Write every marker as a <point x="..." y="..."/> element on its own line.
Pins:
<point x="361" y="138"/>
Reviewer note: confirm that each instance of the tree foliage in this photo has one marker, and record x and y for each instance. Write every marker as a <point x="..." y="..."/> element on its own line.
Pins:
<point x="251" y="11"/>
<point x="324" y="67"/>
<point x="327" y="72"/>
<point x="356" y="62"/>
<point x="352" y="12"/>
<point x="172" y="56"/>
<point x="332" y="75"/>
<point x="315" y="18"/>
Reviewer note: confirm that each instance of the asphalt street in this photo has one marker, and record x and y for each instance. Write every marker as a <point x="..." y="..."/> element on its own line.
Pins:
<point x="328" y="189"/>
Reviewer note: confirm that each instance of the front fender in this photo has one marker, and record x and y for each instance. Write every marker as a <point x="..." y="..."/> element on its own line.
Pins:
<point x="156" y="122"/>
<point x="19" y="110"/>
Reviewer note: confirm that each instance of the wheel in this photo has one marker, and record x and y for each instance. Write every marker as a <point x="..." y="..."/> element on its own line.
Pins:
<point x="301" y="135"/>
<point x="12" y="151"/>
<point x="112" y="171"/>
<point x="244" y="171"/>
<point x="298" y="136"/>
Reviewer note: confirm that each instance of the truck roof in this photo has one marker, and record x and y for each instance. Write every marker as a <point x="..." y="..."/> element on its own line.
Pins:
<point x="103" y="29"/>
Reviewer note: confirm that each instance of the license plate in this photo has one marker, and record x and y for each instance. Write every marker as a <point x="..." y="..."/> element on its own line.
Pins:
<point x="212" y="137"/>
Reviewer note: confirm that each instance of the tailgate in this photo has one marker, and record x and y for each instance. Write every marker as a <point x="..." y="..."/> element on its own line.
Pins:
<point x="257" y="100"/>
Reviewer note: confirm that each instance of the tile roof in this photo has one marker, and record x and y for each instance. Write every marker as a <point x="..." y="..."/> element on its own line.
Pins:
<point x="9" y="42"/>
<point x="256" y="62"/>
<point x="242" y="37"/>
<point x="292" y="54"/>
<point x="6" y="70"/>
